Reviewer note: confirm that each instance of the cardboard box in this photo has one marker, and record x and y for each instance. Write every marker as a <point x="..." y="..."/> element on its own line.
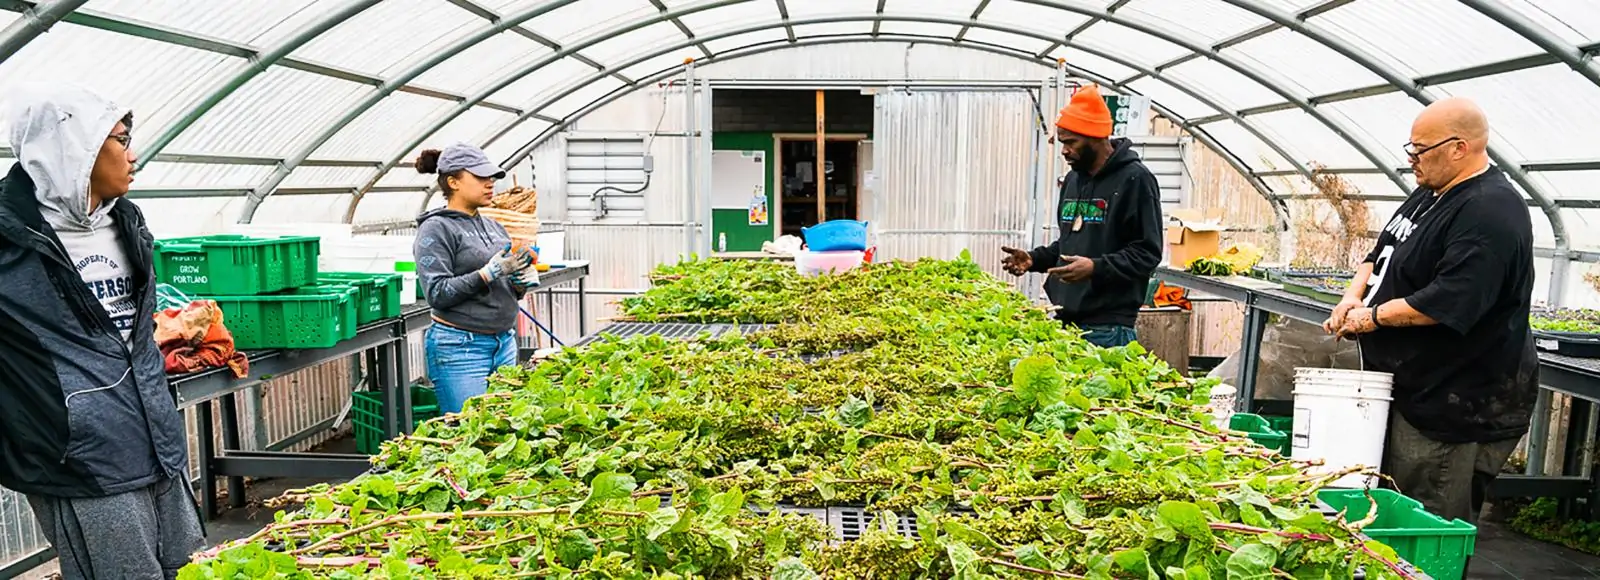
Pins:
<point x="1193" y="234"/>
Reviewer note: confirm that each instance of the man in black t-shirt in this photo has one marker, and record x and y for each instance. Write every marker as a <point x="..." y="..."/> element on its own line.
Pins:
<point x="1442" y="303"/>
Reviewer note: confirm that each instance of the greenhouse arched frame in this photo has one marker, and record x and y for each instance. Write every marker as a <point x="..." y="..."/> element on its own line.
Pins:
<point x="1197" y="37"/>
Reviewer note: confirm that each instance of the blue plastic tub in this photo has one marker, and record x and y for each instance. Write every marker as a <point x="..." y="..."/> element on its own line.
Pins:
<point x="836" y="236"/>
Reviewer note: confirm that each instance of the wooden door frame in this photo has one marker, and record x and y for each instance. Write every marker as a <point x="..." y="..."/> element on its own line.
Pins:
<point x="777" y="158"/>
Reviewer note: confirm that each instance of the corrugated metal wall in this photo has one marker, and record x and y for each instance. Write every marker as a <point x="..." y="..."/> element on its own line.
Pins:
<point x="953" y="172"/>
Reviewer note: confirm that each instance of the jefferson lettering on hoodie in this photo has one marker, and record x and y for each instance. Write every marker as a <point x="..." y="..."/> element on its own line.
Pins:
<point x="1121" y="211"/>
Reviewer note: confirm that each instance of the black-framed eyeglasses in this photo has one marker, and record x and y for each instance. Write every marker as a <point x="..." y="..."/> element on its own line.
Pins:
<point x="125" y="139"/>
<point x="1414" y="153"/>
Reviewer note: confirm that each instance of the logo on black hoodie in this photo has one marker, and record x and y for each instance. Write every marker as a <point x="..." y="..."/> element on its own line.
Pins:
<point x="1093" y="211"/>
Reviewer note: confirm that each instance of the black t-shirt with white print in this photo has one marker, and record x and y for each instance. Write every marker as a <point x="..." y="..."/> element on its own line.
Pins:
<point x="1465" y="259"/>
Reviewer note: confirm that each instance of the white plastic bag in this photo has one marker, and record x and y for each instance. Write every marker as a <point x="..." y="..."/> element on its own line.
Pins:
<point x="1287" y="344"/>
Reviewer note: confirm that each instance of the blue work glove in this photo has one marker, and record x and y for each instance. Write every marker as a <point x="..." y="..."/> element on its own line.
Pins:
<point x="505" y="262"/>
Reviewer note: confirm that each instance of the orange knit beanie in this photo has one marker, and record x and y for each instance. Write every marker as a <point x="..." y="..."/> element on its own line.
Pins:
<point x="1086" y="114"/>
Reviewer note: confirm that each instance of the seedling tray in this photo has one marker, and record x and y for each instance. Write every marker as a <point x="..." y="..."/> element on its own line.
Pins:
<point x="1573" y="344"/>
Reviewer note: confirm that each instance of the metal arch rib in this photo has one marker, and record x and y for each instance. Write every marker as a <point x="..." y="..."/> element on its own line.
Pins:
<point x="505" y="81"/>
<point x="1205" y="138"/>
<point x="1338" y="127"/>
<point x="1196" y="94"/>
<point x="254" y="67"/>
<point x="1409" y="87"/>
<point x="1539" y="35"/>
<point x="264" y="189"/>
<point x="34" y="23"/>
<point x="1279" y="208"/>
<point x="1110" y="55"/>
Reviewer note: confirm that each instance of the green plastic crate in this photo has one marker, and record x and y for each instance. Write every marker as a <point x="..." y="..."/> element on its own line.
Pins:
<point x="1427" y="541"/>
<point x="366" y="414"/>
<point x="1260" y="431"/>
<point x="1281" y="423"/>
<point x="377" y="295"/>
<point x="298" y="320"/>
<point x="232" y="265"/>
<point x="349" y="317"/>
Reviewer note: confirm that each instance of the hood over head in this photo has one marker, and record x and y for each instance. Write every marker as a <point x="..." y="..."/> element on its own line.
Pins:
<point x="56" y="134"/>
<point x="1122" y="153"/>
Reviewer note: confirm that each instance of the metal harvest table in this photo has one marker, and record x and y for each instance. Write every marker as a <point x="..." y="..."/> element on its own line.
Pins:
<point x="1568" y="375"/>
<point x="385" y="346"/>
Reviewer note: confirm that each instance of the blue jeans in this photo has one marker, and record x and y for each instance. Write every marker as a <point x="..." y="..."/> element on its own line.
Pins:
<point x="460" y="362"/>
<point x="1108" y="335"/>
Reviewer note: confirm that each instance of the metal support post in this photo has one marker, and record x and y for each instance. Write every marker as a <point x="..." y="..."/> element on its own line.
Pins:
<point x="703" y="112"/>
<point x="1560" y="268"/>
<point x="230" y="442"/>
<point x="391" y="393"/>
<point x="1538" y="433"/>
<point x="583" y="309"/>
<point x="688" y="158"/>
<point x="402" y="367"/>
<point x="258" y="415"/>
<point x="1255" y="327"/>
<point x="207" y="439"/>
<point x="550" y="313"/>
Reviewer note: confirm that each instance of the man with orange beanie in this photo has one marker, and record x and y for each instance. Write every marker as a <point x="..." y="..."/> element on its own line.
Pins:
<point x="1110" y="221"/>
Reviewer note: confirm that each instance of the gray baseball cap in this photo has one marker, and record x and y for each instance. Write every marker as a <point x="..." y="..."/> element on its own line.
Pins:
<point x="463" y="156"/>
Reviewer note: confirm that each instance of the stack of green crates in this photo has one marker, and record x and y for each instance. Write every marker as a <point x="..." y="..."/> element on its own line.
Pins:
<point x="377" y="295"/>
<point x="267" y="288"/>
<point x="1260" y="431"/>
<point x="367" y="410"/>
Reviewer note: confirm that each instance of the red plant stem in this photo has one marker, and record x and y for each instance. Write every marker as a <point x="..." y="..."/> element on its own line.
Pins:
<point x="450" y="478"/>
<point x="1243" y="529"/>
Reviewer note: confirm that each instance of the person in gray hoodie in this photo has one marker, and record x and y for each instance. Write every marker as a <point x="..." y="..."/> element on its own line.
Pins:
<point x="89" y="428"/>
<point x="471" y="275"/>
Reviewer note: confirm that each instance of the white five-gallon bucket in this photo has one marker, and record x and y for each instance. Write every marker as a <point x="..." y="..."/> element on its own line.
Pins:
<point x="1341" y="417"/>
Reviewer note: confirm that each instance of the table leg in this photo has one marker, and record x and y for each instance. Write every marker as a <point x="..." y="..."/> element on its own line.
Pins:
<point x="230" y="442"/>
<point x="1255" y="328"/>
<point x="550" y="311"/>
<point x="382" y="374"/>
<point x="583" y="309"/>
<point x="206" y="435"/>
<point x="402" y="365"/>
<point x="1573" y="456"/>
<point x="371" y="382"/>
<point x="1539" y="434"/>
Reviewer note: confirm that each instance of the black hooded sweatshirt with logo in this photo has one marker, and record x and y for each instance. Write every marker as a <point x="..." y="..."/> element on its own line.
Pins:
<point x="1120" y="213"/>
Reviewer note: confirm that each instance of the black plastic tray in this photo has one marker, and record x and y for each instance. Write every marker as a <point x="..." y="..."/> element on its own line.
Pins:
<point x="1573" y="344"/>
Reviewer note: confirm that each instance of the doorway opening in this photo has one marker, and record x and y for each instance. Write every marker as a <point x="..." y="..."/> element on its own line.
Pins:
<point x="840" y="187"/>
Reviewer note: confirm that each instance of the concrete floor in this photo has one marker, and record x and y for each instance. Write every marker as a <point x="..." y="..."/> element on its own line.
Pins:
<point x="1503" y="554"/>
<point x="1500" y="554"/>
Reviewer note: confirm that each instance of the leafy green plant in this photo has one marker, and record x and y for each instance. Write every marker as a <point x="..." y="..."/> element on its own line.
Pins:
<point x="923" y="391"/>
<point x="1581" y="321"/>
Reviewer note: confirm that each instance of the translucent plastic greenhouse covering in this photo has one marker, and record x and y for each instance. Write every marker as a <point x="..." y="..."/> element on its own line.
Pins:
<point x="325" y="101"/>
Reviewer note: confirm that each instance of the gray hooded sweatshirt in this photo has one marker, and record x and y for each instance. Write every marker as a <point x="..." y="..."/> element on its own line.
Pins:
<point x="451" y="247"/>
<point x="85" y="408"/>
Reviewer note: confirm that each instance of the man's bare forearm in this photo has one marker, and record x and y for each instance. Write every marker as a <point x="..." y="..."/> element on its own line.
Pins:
<point x="1398" y="312"/>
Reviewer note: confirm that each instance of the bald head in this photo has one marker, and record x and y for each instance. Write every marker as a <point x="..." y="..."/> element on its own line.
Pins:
<point x="1453" y="136"/>
<point x="1458" y="117"/>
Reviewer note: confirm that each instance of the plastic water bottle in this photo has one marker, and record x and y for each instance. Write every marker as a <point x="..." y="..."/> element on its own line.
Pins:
<point x="722" y="242"/>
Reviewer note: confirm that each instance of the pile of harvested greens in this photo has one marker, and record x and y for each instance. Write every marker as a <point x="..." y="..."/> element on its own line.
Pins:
<point x="922" y="391"/>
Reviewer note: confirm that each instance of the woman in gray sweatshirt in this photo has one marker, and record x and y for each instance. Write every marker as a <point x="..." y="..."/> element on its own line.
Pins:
<point x="471" y="276"/>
